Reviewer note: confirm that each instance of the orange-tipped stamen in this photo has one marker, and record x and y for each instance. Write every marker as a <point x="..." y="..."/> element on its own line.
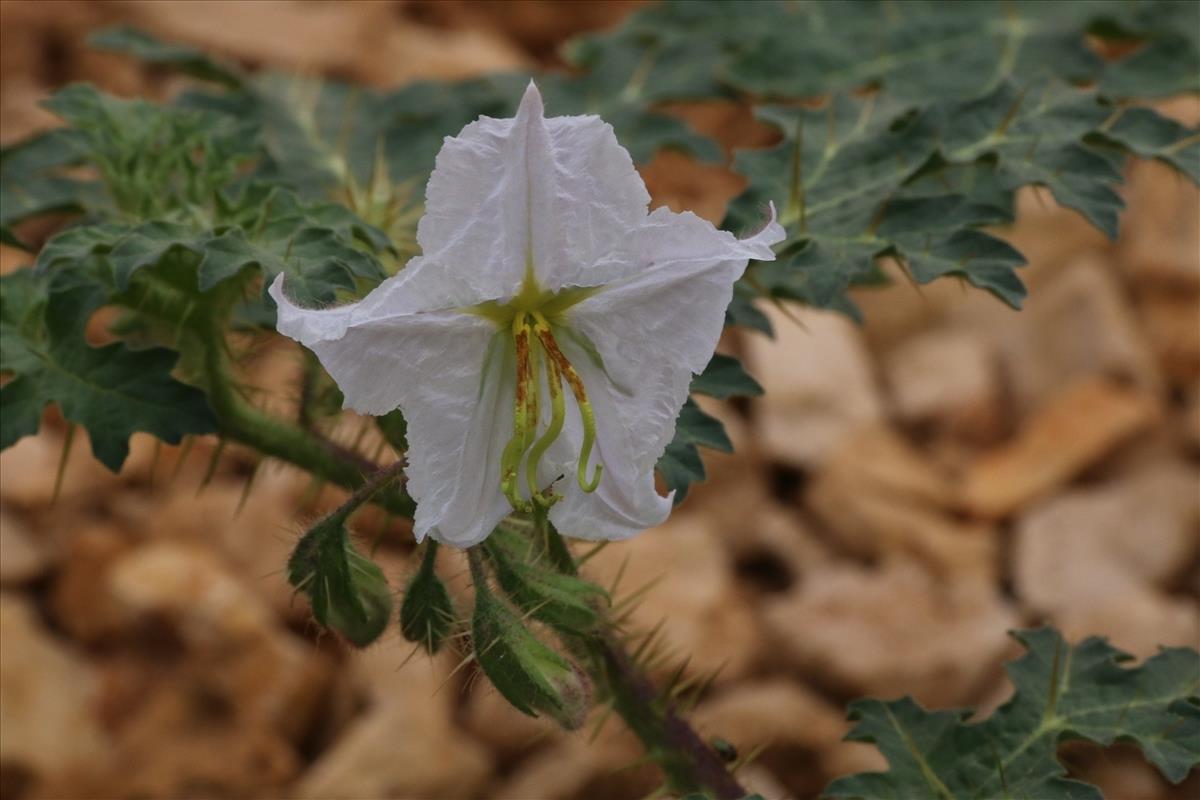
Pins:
<point x="587" y="414"/>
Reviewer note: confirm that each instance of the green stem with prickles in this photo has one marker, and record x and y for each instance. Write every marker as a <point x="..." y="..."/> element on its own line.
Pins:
<point x="688" y="762"/>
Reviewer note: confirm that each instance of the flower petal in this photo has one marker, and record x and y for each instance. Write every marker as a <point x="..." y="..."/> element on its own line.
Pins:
<point x="506" y="194"/>
<point x="454" y="389"/>
<point x="652" y="331"/>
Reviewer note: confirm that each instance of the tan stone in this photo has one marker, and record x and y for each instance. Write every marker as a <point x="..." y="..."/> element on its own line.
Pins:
<point x="689" y="588"/>
<point x="1120" y="773"/>
<point x="508" y="732"/>
<point x="879" y="496"/>
<point x="893" y="631"/>
<point x="180" y="738"/>
<point x="607" y="767"/>
<point x="1189" y="424"/>
<point x="948" y="380"/>
<point x="777" y="718"/>
<point x="30" y="468"/>
<point x="80" y="599"/>
<point x="405" y="744"/>
<point x="270" y="675"/>
<point x="1143" y="525"/>
<point x="366" y="42"/>
<point x="1160" y="230"/>
<point x="21" y="557"/>
<point x="1070" y="433"/>
<point x="1172" y="324"/>
<point x="1097" y="561"/>
<point x="1079" y="324"/>
<point x="818" y="382"/>
<point x="772" y="547"/>
<point x="48" y="698"/>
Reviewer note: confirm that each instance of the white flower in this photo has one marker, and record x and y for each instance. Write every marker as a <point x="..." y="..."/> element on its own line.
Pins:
<point x="548" y="313"/>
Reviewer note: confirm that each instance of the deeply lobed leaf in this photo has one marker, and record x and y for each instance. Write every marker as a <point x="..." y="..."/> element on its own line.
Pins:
<point x="1062" y="692"/>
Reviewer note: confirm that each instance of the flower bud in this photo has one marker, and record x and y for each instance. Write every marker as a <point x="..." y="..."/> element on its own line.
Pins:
<point x="532" y="676"/>
<point x="427" y="614"/>
<point x="561" y="601"/>
<point x="347" y="591"/>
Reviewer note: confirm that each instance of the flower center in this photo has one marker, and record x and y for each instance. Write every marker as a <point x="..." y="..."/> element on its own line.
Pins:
<point x="527" y="319"/>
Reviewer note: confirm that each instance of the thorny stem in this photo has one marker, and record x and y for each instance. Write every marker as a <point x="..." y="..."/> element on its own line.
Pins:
<point x="689" y="764"/>
<point x="242" y="422"/>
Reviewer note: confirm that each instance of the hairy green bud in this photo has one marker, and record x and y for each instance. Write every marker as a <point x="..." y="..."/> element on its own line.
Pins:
<point x="348" y="592"/>
<point x="529" y="674"/>
<point x="427" y="613"/>
<point x="562" y="601"/>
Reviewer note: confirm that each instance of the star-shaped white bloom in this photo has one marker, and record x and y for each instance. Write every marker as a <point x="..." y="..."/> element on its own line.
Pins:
<point x="543" y="344"/>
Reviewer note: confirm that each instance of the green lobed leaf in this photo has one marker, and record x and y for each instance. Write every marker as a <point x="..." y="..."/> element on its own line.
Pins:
<point x="1147" y="133"/>
<point x="681" y="465"/>
<point x="725" y="377"/>
<point x="33" y="183"/>
<point x="287" y="237"/>
<point x="157" y="162"/>
<point x="1062" y="692"/>
<point x="188" y="60"/>
<point x="112" y="391"/>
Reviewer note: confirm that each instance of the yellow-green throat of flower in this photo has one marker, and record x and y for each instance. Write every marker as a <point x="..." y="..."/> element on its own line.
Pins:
<point x="530" y="319"/>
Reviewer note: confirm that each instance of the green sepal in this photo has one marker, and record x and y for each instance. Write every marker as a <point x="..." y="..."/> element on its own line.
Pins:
<point x="534" y="678"/>
<point x="427" y="613"/>
<point x="561" y="601"/>
<point x="348" y="592"/>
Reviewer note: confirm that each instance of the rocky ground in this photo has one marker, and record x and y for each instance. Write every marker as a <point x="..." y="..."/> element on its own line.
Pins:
<point x="905" y="493"/>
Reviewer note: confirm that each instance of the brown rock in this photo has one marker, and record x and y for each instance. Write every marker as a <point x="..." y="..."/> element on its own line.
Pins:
<point x="508" y="732"/>
<point x="21" y="559"/>
<point x="790" y="726"/>
<point x="181" y="740"/>
<point x="1160" y="231"/>
<point x="606" y="767"/>
<point x="1096" y="561"/>
<point x="366" y="42"/>
<point x="772" y="547"/>
<point x="1120" y="772"/>
<point x="689" y="589"/>
<point x="948" y="380"/>
<point x="80" y="599"/>
<point x="1078" y="324"/>
<point x="405" y="744"/>
<point x="1172" y="324"/>
<point x="879" y="496"/>
<point x="1189" y="424"/>
<point x="272" y="678"/>
<point x="30" y="468"/>
<point x="1069" y="434"/>
<point x="894" y="631"/>
<point x="818" y="381"/>
<point x="48" y="699"/>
